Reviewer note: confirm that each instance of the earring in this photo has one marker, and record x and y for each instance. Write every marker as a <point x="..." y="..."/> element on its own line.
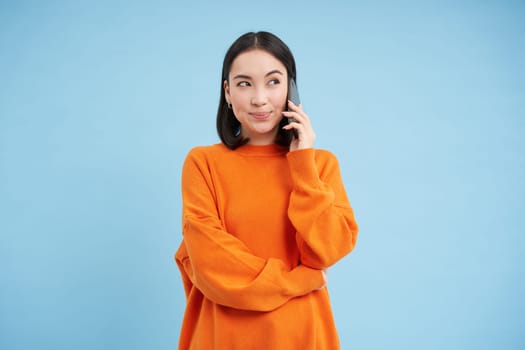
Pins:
<point x="229" y="105"/>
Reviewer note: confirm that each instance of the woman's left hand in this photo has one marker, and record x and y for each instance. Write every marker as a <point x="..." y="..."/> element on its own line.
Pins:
<point x="301" y="124"/>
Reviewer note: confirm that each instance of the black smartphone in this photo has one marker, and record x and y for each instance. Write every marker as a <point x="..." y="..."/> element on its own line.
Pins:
<point x="293" y="95"/>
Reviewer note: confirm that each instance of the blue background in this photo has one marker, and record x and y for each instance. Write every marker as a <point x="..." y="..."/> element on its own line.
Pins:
<point x="422" y="101"/>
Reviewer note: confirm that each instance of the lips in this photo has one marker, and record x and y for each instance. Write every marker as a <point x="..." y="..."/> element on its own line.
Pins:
<point x="260" y="115"/>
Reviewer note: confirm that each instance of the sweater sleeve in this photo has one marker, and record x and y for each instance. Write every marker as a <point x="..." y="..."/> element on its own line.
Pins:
<point x="220" y="265"/>
<point x="319" y="209"/>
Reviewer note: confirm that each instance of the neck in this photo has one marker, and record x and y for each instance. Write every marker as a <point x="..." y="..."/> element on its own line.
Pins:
<point x="261" y="139"/>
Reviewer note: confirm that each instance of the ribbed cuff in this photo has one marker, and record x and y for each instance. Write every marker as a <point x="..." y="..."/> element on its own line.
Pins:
<point x="304" y="280"/>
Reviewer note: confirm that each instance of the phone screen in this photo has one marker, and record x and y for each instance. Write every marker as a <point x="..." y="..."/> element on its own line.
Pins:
<point x="293" y="95"/>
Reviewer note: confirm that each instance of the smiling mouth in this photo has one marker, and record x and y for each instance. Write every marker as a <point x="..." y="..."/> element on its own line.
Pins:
<point x="261" y="115"/>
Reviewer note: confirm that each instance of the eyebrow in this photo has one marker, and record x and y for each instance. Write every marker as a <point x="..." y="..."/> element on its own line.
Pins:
<point x="244" y="76"/>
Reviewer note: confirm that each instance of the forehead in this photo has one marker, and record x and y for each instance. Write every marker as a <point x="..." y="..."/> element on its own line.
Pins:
<point x="256" y="62"/>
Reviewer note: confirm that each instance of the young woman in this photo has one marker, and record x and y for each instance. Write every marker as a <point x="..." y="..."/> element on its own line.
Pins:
<point x="264" y="215"/>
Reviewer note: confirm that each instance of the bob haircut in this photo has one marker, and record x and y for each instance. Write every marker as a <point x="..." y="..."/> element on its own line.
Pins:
<point x="228" y="127"/>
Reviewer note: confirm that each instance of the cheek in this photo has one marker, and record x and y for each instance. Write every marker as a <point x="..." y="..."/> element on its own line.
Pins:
<point x="239" y="98"/>
<point x="279" y="98"/>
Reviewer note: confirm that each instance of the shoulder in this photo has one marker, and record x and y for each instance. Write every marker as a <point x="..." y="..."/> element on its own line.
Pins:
<point x="324" y="156"/>
<point x="206" y="152"/>
<point x="201" y="157"/>
<point x="326" y="161"/>
<point x="195" y="168"/>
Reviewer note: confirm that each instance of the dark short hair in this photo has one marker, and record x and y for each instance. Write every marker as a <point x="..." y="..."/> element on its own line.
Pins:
<point x="228" y="126"/>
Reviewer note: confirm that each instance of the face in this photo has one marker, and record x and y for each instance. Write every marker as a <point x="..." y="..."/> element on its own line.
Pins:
<point x="257" y="91"/>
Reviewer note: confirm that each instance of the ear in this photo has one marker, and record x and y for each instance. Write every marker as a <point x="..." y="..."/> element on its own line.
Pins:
<point x="226" y="91"/>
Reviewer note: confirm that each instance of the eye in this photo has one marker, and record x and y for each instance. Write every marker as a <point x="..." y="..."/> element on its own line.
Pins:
<point x="274" y="82"/>
<point x="243" y="84"/>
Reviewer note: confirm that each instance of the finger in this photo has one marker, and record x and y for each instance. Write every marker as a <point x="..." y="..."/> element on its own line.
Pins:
<point x="299" y="117"/>
<point x="299" y="128"/>
<point x="293" y="125"/>
<point x="295" y="107"/>
<point x="290" y="114"/>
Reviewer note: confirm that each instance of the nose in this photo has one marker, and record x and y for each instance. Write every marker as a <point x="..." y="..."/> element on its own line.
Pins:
<point x="259" y="98"/>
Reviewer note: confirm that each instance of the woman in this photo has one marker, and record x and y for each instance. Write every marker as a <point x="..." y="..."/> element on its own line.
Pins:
<point x="264" y="215"/>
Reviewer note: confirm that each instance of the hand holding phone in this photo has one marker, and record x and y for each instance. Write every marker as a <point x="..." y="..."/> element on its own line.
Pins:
<point x="306" y="133"/>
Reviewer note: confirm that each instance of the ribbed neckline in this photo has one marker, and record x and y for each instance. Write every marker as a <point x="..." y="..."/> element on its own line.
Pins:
<point x="262" y="150"/>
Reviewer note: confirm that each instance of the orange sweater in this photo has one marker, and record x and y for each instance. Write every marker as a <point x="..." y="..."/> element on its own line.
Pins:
<point x="259" y="225"/>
